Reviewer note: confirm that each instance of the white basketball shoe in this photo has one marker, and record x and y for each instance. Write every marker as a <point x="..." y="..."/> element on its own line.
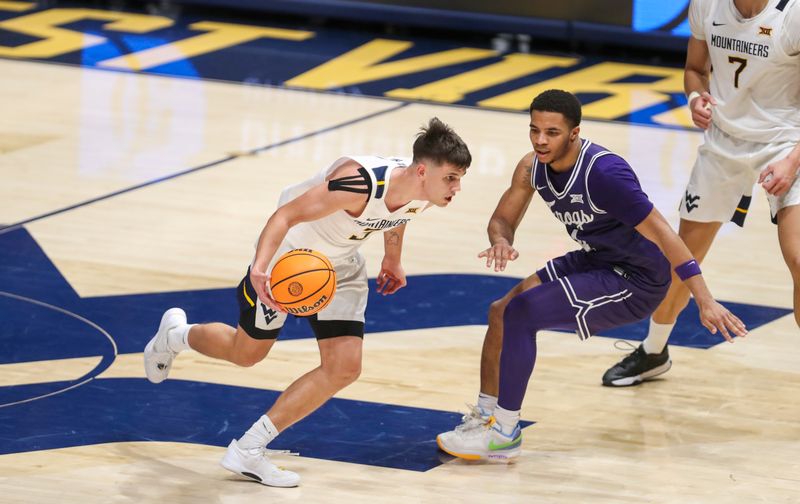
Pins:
<point x="158" y="356"/>
<point x="255" y="464"/>
<point x="474" y="417"/>
<point x="485" y="442"/>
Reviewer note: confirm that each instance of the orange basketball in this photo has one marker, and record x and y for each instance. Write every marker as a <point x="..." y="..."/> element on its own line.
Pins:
<point x="303" y="281"/>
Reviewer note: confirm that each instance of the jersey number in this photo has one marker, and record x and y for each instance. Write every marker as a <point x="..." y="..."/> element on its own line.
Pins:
<point x="742" y="63"/>
<point x="366" y="234"/>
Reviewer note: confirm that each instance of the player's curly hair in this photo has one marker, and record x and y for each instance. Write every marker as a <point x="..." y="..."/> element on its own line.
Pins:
<point x="439" y="143"/>
<point x="563" y="102"/>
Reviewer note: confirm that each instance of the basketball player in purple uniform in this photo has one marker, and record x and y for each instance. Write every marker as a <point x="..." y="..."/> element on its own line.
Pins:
<point x="618" y="276"/>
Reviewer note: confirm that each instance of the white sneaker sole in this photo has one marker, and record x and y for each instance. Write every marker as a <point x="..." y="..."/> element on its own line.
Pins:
<point x="231" y="463"/>
<point x="155" y="373"/>
<point x="501" y="457"/>
<point x="634" y="380"/>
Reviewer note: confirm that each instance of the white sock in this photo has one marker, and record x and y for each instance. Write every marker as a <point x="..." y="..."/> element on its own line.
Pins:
<point x="178" y="338"/>
<point x="486" y="404"/>
<point x="507" y="420"/>
<point x="657" y="337"/>
<point x="259" y="435"/>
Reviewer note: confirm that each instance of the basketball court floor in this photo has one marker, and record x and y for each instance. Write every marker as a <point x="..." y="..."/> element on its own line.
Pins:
<point x="123" y="194"/>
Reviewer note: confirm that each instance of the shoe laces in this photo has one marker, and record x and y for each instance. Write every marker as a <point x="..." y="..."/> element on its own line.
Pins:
<point x="266" y="453"/>
<point x="472" y="419"/>
<point x="263" y="451"/>
<point x="161" y="346"/>
<point x="626" y="346"/>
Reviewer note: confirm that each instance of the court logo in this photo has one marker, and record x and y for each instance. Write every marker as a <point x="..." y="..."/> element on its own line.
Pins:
<point x="690" y="201"/>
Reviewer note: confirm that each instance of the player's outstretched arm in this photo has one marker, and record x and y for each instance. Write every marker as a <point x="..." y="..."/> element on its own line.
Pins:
<point x="507" y="216"/>
<point x="713" y="315"/>
<point x="392" y="277"/>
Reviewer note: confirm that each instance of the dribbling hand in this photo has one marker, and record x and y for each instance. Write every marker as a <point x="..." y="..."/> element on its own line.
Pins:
<point x="499" y="254"/>
<point x="260" y="281"/>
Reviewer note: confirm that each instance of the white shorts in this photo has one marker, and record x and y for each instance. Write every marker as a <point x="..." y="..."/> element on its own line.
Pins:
<point x="721" y="184"/>
<point x="349" y="301"/>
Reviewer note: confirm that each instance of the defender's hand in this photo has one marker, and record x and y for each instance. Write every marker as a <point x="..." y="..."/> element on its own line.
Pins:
<point x="716" y="317"/>
<point x="499" y="254"/>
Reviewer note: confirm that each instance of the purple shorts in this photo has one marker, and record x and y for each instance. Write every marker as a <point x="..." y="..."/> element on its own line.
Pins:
<point x="578" y="295"/>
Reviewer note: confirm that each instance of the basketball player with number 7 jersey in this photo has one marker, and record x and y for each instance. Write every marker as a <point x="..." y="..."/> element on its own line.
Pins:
<point x="333" y="213"/>
<point x="749" y="107"/>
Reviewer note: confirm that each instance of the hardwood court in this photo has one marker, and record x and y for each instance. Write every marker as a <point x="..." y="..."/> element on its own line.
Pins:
<point x="722" y="426"/>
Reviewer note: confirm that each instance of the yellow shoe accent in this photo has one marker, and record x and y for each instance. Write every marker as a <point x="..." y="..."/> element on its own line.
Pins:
<point x="459" y="455"/>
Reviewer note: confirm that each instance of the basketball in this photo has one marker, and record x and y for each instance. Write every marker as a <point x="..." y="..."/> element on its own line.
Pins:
<point x="303" y="281"/>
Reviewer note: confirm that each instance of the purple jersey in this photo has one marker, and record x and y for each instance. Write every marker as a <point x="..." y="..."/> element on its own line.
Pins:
<point x="600" y="201"/>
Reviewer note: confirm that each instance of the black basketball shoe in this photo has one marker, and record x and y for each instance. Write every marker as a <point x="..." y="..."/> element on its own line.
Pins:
<point x="637" y="367"/>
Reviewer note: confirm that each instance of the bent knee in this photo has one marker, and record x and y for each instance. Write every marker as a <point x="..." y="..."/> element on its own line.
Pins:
<point x="526" y="316"/>
<point x="516" y="308"/>
<point x="344" y="373"/>
<point x="793" y="262"/>
<point x="676" y="300"/>
<point x="247" y="360"/>
<point x="496" y="310"/>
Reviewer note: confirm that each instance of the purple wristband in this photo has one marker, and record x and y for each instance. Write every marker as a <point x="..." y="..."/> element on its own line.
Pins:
<point x="687" y="270"/>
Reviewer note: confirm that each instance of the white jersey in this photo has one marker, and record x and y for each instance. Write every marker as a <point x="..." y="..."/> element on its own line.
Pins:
<point x="339" y="235"/>
<point x="755" y="68"/>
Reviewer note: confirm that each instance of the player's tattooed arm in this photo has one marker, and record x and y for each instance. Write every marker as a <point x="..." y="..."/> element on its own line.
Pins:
<point x="393" y="242"/>
<point x="392" y="277"/>
<point x="392" y="238"/>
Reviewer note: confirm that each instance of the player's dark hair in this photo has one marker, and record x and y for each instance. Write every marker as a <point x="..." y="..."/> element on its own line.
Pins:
<point x="439" y="143"/>
<point x="562" y="102"/>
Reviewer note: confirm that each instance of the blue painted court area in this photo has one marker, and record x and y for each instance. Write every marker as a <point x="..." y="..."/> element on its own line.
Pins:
<point x="428" y="301"/>
<point x="36" y="303"/>
<point x="118" y="410"/>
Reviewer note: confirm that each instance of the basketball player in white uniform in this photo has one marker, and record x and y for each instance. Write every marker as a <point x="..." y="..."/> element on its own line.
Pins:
<point x="333" y="212"/>
<point x="749" y="107"/>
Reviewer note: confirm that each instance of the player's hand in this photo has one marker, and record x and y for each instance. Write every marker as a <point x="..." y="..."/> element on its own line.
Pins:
<point x="701" y="110"/>
<point x="716" y="317"/>
<point x="499" y="254"/>
<point x="777" y="178"/>
<point x="391" y="278"/>
<point x="260" y="281"/>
